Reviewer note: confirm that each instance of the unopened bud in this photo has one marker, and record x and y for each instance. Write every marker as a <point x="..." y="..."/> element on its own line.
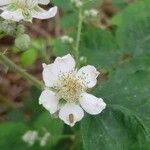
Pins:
<point x="9" y="27"/>
<point x="83" y="60"/>
<point x="30" y="137"/>
<point x="66" y="39"/>
<point x="91" y="13"/>
<point x="22" y="42"/>
<point x="44" y="139"/>
<point x="20" y="29"/>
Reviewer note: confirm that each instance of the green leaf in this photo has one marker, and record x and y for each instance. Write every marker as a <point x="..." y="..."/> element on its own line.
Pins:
<point x="116" y="129"/>
<point x="61" y="49"/>
<point x="69" y="21"/>
<point x="99" y="47"/>
<point x="133" y="64"/>
<point x="125" y="123"/>
<point x="65" y="5"/>
<point x="11" y="136"/>
<point x="120" y="4"/>
<point x="133" y="32"/>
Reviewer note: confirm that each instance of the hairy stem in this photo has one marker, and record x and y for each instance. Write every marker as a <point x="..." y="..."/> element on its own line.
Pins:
<point x="20" y="71"/>
<point x="78" y="38"/>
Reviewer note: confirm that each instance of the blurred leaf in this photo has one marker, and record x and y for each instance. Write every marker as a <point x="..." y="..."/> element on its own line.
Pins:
<point x="31" y="104"/>
<point x="90" y="4"/>
<point x="99" y="47"/>
<point x="28" y="57"/>
<point x="61" y="49"/>
<point x="15" y="115"/>
<point x="120" y="4"/>
<point x="65" y="5"/>
<point x="11" y="136"/>
<point x="134" y="28"/>
<point x="52" y="125"/>
<point x="69" y="21"/>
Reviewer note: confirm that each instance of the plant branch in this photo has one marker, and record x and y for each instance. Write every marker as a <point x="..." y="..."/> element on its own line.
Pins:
<point x="20" y="71"/>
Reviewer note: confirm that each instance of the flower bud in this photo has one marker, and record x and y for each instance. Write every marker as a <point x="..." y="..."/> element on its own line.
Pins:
<point x="9" y="27"/>
<point x="22" y="42"/>
<point x="83" y="60"/>
<point x="44" y="139"/>
<point x="66" y="39"/>
<point x="30" y="137"/>
<point x="20" y="29"/>
<point x="91" y="13"/>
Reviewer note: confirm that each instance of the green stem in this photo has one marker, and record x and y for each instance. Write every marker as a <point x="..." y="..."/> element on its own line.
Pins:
<point x="20" y="71"/>
<point x="78" y="38"/>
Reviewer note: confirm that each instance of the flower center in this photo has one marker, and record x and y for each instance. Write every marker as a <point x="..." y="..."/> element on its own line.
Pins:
<point x="69" y="87"/>
<point x="25" y="6"/>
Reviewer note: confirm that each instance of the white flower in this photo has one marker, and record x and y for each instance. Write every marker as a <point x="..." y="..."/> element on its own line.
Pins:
<point x="66" y="39"/>
<point x="30" y="137"/>
<point x="66" y="90"/>
<point x="17" y="10"/>
<point x="91" y="13"/>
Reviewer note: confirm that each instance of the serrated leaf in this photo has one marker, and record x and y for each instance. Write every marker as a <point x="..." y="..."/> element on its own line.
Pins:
<point x="125" y="124"/>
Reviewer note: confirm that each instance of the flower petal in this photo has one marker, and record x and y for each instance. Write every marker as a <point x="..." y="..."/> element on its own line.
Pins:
<point x="49" y="101"/>
<point x="50" y="75"/>
<point x="60" y="65"/>
<point x="5" y="2"/>
<point x="88" y="76"/>
<point x="43" y="14"/>
<point x="12" y="15"/>
<point x="70" y="113"/>
<point x="43" y="2"/>
<point x="65" y="64"/>
<point x="92" y="104"/>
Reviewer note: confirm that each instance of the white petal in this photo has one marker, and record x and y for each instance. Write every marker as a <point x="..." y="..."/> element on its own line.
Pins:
<point x="70" y="113"/>
<point x="12" y="15"/>
<point x="60" y="65"/>
<point x="65" y="63"/>
<point x="5" y="2"/>
<point x="88" y="74"/>
<point x="92" y="104"/>
<point x="49" y="101"/>
<point x="50" y="75"/>
<point x="43" y="14"/>
<point x="44" y="2"/>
